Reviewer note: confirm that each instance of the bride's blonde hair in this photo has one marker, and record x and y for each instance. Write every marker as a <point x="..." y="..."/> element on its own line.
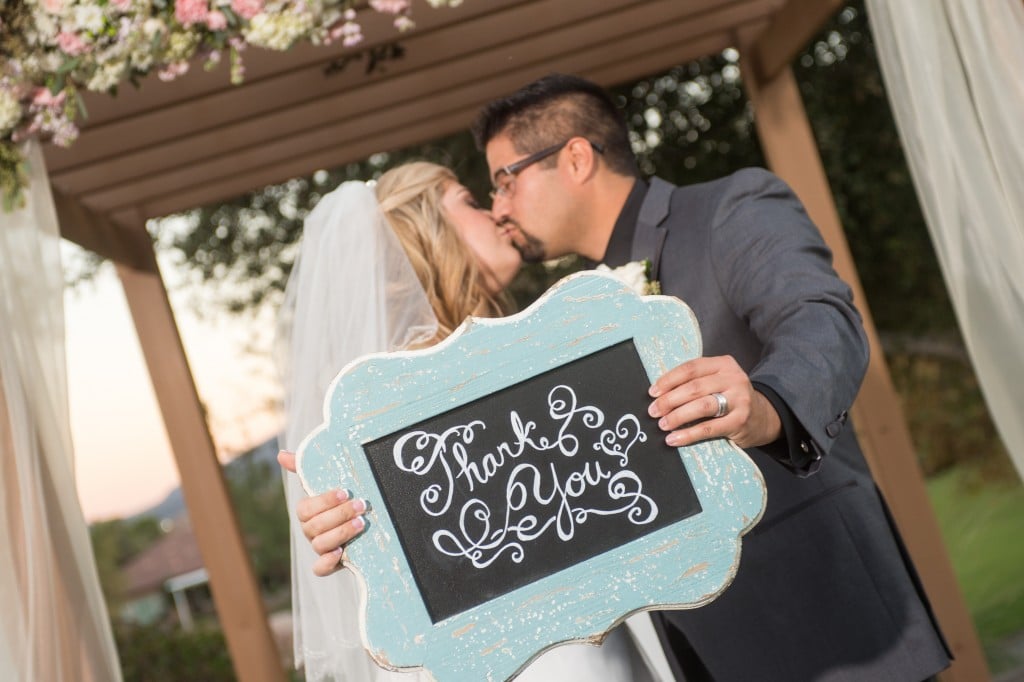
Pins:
<point x="410" y="196"/>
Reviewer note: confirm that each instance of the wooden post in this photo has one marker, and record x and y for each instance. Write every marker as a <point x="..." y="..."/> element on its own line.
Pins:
<point x="232" y="581"/>
<point x="789" y="146"/>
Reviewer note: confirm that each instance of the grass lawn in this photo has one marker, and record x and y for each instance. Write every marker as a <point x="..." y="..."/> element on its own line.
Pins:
<point x="983" y="526"/>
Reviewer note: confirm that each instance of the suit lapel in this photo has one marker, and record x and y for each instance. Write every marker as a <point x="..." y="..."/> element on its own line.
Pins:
<point x="649" y="238"/>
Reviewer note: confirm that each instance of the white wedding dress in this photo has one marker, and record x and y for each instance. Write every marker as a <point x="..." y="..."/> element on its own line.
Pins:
<point x="352" y="292"/>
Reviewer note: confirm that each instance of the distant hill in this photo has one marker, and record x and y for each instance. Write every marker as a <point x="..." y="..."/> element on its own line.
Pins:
<point x="173" y="506"/>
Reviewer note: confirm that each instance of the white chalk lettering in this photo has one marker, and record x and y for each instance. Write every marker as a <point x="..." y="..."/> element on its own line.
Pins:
<point x="538" y="497"/>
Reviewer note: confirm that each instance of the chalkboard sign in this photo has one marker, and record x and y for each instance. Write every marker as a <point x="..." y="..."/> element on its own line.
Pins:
<point x="532" y="479"/>
<point x="519" y="494"/>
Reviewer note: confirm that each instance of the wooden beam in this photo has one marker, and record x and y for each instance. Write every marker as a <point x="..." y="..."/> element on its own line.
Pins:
<point x="260" y="65"/>
<point x="788" y="143"/>
<point x="237" y="120"/>
<point x="422" y="129"/>
<point x="99" y="234"/>
<point x="390" y="111"/>
<point x="793" y="26"/>
<point x="308" y="81"/>
<point x="232" y="581"/>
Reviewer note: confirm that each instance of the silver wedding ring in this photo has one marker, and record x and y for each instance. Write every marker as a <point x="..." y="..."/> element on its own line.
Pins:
<point x="723" y="405"/>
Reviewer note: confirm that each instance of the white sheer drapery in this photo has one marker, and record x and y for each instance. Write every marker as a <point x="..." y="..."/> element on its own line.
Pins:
<point x="53" y="619"/>
<point x="952" y="70"/>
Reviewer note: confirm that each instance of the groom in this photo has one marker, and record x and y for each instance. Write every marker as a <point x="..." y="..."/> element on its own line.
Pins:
<point x="824" y="589"/>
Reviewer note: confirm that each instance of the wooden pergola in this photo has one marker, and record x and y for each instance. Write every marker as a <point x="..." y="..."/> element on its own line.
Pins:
<point x="169" y="147"/>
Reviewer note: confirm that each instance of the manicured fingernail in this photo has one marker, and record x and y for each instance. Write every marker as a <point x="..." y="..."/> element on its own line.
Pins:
<point x="663" y="424"/>
<point x="342" y="495"/>
<point x="673" y="440"/>
<point x="358" y="523"/>
<point x="653" y="410"/>
<point x="338" y="551"/>
<point x="359" y="506"/>
<point x="654" y="391"/>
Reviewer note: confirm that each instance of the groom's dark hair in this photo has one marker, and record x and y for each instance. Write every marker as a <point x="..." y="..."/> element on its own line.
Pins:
<point x="553" y="109"/>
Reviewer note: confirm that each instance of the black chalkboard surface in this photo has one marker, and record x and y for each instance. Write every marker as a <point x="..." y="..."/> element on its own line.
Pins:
<point x="529" y="480"/>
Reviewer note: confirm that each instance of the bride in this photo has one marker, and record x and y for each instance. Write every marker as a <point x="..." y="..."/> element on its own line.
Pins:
<point x="396" y="266"/>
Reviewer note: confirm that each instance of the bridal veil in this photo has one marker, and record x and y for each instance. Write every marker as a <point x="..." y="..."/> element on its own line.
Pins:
<point x="352" y="291"/>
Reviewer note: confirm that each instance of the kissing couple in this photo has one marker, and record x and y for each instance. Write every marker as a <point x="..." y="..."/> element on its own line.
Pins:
<point x="824" y="590"/>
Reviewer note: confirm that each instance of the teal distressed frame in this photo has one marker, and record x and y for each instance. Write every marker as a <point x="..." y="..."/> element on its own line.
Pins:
<point x="683" y="565"/>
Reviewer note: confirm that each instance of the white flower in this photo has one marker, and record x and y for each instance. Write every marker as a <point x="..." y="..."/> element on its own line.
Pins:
<point x="46" y="27"/>
<point x="89" y="18"/>
<point x="106" y="77"/>
<point x="152" y="26"/>
<point x="633" y="275"/>
<point x="277" y="31"/>
<point x="141" y="58"/>
<point x="10" y="111"/>
<point x="51" y="61"/>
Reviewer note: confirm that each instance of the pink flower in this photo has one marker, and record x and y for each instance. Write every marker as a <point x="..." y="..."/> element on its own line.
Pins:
<point x="123" y="5"/>
<point x="189" y="12"/>
<point x="172" y="71"/>
<point x="349" y="32"/>
<point x="216" y="20"/>
<point x="247" y="9"/>
<point x="390" y="6"/>
<point x="53" y="6"/>
<point x="44" y="98"/>
<point x="71" y="43"/>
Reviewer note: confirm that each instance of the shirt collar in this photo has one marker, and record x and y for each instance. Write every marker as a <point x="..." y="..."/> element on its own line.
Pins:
<point x="620" y="245"/>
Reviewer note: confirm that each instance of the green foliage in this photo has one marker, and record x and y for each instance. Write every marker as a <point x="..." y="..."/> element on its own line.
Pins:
<point x="946" y="414"/>
<point x="982" y="527"/>
<point x="169" y="654"/>
<point x="692" y="123"/>
<point x="257" y="494"/>
<point x="845" y="98"/>
<point x="114" y="543"/>
<point x="13" y="177"/>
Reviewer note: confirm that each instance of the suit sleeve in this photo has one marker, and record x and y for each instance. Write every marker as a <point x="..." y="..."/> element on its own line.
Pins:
<point x="775" y="271"/>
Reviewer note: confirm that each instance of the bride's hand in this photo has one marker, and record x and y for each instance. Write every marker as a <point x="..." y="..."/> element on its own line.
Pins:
<point x="328" y="521"/>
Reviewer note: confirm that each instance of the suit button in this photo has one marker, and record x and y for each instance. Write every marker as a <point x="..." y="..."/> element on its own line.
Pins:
<point x="833" y="429"/>
<point x="804" y="446"/>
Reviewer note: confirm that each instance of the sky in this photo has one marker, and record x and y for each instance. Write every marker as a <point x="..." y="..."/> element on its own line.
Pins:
<point x="123" y="459"/>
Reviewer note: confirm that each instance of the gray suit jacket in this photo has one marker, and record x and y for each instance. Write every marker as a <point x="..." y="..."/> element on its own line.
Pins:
<point x="825" y="590"/>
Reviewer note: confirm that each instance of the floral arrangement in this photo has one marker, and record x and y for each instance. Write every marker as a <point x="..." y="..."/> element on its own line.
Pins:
<point x="636" y="275"/>
<point x="52" y="50"/>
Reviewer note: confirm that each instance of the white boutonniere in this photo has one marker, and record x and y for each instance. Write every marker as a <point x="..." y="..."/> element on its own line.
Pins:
<point x="635" y="275"/>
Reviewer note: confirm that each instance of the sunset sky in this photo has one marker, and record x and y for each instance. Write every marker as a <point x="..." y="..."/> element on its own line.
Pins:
<point x="123" y="458"/>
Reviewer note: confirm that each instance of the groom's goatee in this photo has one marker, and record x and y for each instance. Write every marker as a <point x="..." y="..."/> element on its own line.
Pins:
<point x="528" y="246"/>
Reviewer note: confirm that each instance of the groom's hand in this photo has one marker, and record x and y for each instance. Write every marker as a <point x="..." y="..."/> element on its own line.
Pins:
<point x="685" y="404"/>
<point x="328" y="521"/>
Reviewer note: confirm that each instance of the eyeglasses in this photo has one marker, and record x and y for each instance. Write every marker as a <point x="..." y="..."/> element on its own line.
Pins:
<point x="505" y="177"/>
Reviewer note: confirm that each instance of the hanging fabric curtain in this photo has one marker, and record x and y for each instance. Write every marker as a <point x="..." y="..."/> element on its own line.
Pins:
<point x="952" y="70"/>
<point x="53" y="619"/>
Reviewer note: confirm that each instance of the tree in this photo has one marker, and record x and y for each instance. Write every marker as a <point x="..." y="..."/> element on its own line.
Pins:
<point x="114" y="543"/>
<point x="258" y="498"/>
